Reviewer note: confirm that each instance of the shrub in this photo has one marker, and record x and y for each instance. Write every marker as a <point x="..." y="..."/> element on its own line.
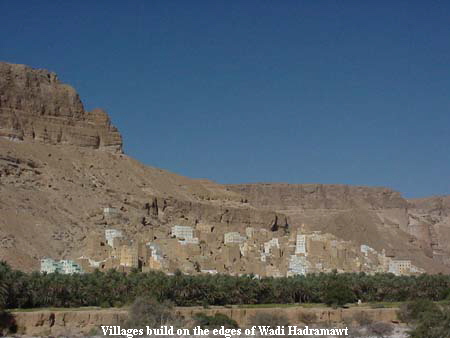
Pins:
<point x="427" y="319"/>
<point x="216" y="321"/>
<point x="413" y="311"/>
<point x="149" y="312"/>
<point x="269" y="319"/>
<point x="7" y="323"/>
<point x="432" y="324"/>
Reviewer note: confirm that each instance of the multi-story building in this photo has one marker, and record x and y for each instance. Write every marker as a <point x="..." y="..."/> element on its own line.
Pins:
<point x="400" y="266"/>
<point x="233" y="237"/>
<point x="300" y="245"/>
<point x="49" y="265"/>
<point x="298" y="265"/>
<point x="69" y="267"/>
<point x="110" y="234"/>
<point x="65" y="266"/>
<point x="110" y="211"/>
<point x="182" y="232"/>
<point x="270" y="245"/>
<point x="129" y="256"/>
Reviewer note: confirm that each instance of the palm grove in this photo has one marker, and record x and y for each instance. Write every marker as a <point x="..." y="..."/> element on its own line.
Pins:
<point x="113" y="288"/>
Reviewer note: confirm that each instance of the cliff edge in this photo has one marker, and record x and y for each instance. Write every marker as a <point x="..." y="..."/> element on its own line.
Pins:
<point x="36" y="107"/>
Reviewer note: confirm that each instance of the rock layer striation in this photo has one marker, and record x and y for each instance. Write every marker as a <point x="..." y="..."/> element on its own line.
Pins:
<point x="36" y="106"/>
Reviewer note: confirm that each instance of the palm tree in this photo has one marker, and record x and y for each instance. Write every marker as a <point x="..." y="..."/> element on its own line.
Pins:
<point x="5" y="272"/>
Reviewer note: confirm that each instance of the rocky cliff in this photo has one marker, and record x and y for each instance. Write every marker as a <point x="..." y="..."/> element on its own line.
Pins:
<point x="55" y="184"/>
<point x="35" y="106"/>
<point x="375" y="216"/>
<point x="429" y="221"/>
<point x="319" y="196"/>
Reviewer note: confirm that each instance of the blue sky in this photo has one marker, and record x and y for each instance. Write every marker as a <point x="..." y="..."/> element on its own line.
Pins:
<point x="352" y="92"/>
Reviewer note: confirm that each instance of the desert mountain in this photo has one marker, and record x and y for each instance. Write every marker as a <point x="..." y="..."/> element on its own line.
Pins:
<point x="34" y="105"/>
<point x="375" y="216"/>
<point x="61" y="167"/>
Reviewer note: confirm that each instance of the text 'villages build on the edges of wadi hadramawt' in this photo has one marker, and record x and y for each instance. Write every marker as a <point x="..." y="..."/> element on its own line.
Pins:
<point x="224" y="332"/>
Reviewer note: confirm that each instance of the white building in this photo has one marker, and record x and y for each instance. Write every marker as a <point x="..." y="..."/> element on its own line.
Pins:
<point x="365" y="249"/>
<point x="69" y="267"/>
<point x="298" y="265"/>
<point x="233" y="237"/>
<point x="110" y="234"/>
<point x="109" y="211"/>
<point x="65" y="266"/>
<point x="263" y="257"/>
<point x="273" y="243"/>
<point x="182" y="232"/>
<point x="49" y="265"/>
<point x="156" y="252"/>
<point x="300" y="245"/>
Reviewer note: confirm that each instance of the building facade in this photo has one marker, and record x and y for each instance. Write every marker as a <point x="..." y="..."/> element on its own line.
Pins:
<point x="65" y="266"/>
<point x="110" y="234"/>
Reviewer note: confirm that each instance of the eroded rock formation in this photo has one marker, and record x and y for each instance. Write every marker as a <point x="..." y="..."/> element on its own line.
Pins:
<point x="35" y="106"/>
<point x="53" y="197"/>
<point x="377" y="216"/>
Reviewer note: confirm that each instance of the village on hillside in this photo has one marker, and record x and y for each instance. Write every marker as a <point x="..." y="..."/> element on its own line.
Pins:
<point x="204" y="249"/>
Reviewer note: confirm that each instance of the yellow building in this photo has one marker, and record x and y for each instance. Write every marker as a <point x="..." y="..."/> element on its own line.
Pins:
<point x="128" y="256"/>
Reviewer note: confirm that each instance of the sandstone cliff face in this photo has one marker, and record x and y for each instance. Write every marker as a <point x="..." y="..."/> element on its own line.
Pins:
<point x="429" y="221"/>
<point x="319" y="196"/>
<point x="52" y="197"/>
<point x="35" y="106"/>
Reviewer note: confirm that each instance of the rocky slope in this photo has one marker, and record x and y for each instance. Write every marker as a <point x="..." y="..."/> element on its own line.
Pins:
<point x="52" y="200"/>
<point x="375" y="216"/>
<point x="61" y="165"/>
<point x="429" y="221"/>
<point x="35" y="106"/>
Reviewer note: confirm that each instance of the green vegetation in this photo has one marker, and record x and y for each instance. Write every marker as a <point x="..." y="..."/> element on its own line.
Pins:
<point x="337" y="292"/>
<point x="428" y="320"/>
<point x="7" y="321"/>
<point x="148" y="311"/>
<point x="4" y="269"/>
<point x="216" y="321"/>
<point x="115" y="289"/>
